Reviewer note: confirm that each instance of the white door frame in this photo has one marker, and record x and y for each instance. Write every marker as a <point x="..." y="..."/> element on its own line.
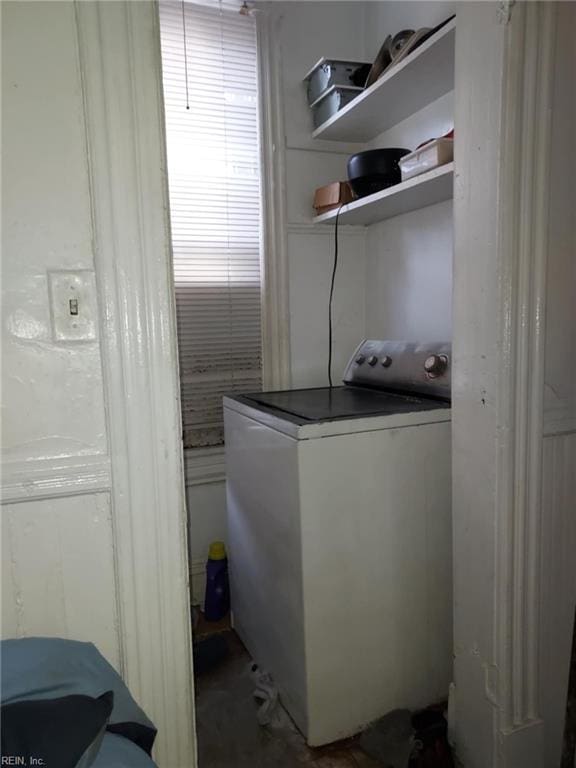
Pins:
<point x="504" y="71"/>
<point x="119" y="46"/>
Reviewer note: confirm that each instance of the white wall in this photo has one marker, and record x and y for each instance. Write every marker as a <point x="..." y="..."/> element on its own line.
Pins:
<point x="409" y="258"/>
<point x="46" y="225"/>
<point x="388" y="18"/>
<point x="308" y="31"/>
<point x="311" y="261"/>
<point x="93" y="524"/>
<point x="409" y="284"/>
<point x="58" y="571"/>
<point x="55" y="551"/>
<point x="206" y="502"/>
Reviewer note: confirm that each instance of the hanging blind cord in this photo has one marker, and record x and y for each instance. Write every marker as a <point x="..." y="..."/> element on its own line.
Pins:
<point x="185" y="53"/>
<point x="332" y="296"/>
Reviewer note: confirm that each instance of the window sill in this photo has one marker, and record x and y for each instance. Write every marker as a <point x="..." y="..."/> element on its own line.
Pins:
<point x="204" y="465"/>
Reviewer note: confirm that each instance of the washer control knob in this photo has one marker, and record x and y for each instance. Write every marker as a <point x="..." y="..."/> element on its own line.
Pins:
<point x="372" y="360"/>
<point x="360" y="359"/>
<point x="435" y="365"/>
<point x="386" y="361"/>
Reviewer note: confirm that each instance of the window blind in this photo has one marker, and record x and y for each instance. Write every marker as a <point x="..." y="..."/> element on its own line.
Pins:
<point x="214" y="187"/>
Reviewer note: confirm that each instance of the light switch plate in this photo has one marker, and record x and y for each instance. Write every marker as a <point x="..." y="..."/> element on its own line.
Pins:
<point x="73" y="305"/>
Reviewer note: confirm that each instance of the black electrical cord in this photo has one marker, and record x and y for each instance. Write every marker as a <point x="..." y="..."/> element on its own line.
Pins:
<point x="332" y="296"/>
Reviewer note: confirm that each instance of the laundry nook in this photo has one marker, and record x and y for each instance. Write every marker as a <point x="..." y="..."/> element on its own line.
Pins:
<point x="288" y="424"/>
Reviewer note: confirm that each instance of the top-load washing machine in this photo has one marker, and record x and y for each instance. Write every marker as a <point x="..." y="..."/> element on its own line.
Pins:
<point x="339" y="526"/>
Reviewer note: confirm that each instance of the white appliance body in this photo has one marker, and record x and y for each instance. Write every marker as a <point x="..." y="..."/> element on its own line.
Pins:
<point x="340" y="561"/>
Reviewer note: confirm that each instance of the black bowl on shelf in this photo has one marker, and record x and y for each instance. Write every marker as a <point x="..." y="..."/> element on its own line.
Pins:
<point x="374" y="170"/>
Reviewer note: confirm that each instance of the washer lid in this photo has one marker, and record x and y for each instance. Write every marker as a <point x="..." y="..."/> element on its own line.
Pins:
<point x="329" y="404"/>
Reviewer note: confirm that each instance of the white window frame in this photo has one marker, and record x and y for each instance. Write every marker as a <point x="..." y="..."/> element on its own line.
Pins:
<point x="207" y="465"/>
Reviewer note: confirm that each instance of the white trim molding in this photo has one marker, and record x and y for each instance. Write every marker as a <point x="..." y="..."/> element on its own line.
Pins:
<point x="502" y="154"/>
<point x="524" y="194"/>
<point x="558" y="585"/>
<point x="204" y="466"/>
<point x="50" y="478"/>
<point x="309" y="228"/>
<point x="121" y="73"/>
<point x="275" y="291"/>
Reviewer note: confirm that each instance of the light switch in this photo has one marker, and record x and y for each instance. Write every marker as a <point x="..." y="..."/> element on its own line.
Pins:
<point x="73" y="305"/>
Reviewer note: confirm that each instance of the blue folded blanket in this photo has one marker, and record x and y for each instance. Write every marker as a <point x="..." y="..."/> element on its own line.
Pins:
<point x="49" y="685"/>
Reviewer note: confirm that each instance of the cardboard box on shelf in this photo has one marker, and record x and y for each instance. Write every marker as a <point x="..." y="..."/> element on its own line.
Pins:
<point x="332" y="196"/>
<point x="427" y="156"/>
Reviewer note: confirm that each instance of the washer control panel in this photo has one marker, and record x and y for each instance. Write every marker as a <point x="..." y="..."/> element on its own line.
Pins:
<point x="417" y="367"/>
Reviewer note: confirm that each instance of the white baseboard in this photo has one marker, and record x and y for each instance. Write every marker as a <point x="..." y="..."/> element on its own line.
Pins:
<point x="203" y="466"/>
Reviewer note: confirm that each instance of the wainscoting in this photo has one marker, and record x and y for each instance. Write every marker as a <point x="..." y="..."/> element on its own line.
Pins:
<point x="558" y="552"/>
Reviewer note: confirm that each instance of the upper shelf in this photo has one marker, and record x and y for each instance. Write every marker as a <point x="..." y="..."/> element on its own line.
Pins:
<point x="422" y="77"/>
<point x="428" y="189"/>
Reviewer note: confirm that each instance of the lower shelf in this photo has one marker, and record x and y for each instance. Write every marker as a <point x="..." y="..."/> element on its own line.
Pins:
<point x="428" y="189"/>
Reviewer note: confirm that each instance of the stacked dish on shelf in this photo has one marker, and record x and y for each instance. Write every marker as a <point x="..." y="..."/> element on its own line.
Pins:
<point x="332" y="84"/>
<point x="411" y="180"/>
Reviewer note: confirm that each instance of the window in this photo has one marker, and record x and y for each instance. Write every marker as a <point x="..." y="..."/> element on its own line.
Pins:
<point x="211" y="105"/>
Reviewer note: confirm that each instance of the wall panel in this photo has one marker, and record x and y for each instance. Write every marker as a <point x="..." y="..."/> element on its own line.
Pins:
<point x="58" y="574"/>
<point x="311" y="257"/>
<point x="558" y="584"/>
<point x="53" y="403"/>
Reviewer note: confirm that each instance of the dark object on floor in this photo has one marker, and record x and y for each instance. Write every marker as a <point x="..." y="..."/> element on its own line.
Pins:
<point x="569" y="742"/>
<point x="390" y="739"/>
<point x="432" y="749"/>
<point x="374" y="170"/>
<point x="209" y="652"/>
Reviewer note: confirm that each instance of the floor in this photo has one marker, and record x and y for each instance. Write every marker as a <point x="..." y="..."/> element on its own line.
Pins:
<point x="229" y="735"/>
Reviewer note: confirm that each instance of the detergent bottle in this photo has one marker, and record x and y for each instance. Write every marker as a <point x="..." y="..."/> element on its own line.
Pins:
<point x="217" y="598"/>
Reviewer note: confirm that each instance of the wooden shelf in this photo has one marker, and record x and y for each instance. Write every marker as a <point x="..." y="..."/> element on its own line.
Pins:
<point x="419" y="192"/>
<point x="422" y="77"/>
